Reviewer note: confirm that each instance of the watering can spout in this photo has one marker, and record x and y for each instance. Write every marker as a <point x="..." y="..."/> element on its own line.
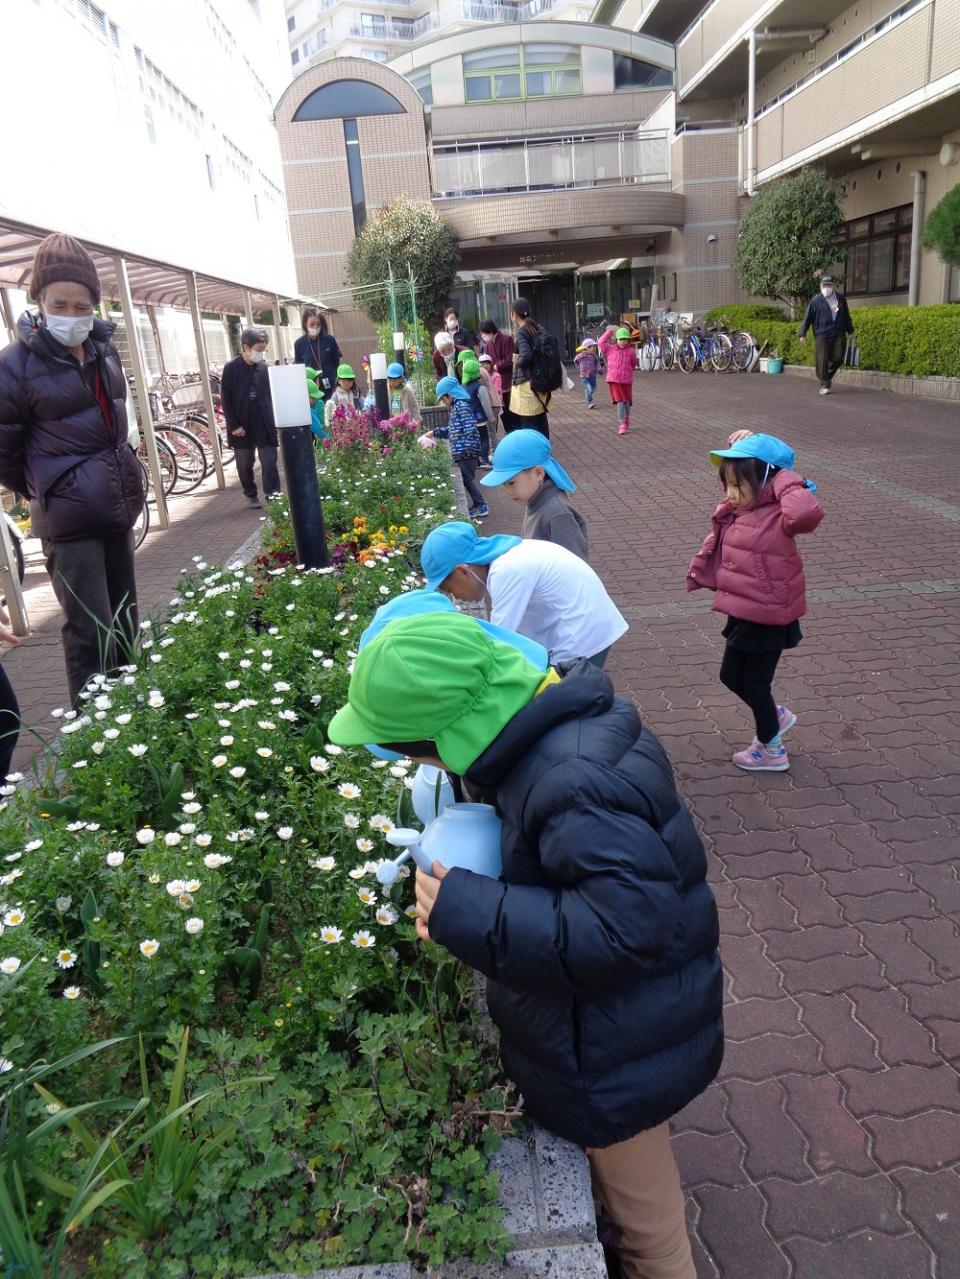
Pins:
<point x="409" y="840"/>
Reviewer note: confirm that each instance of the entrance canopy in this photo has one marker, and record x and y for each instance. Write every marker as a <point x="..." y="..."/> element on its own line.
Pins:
<point x="152" y="283"/>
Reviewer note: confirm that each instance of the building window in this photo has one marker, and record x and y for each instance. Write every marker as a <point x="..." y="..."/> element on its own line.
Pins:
<point x="422" y="82"/>
<point x="514" y="72"/>
<point x="878" y="252"/>
<point x="633" y="73"/>
<point x="351" y="137"/>
<point x="375" y="55"/>
<point x="211" y="176"/>
<point x="373" y="24"/>
<point x="148" y="117"/>
<point x="295" y="57"/>
<point x="347" y="98"/>
<point x="291" y="23"/>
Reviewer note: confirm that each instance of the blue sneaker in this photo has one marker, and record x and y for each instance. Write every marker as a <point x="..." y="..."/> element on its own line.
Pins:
<point x="480" y="512"/>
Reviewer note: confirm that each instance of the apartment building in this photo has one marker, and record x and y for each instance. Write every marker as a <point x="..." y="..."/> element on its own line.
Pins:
<point x="545" y="146"/>
<point x="869" y="91"/>
<point x="319" y="29"/>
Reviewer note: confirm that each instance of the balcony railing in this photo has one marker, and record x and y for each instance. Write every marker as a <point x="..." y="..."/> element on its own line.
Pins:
<point x="396" y="30"/>
<point x="522" y="11"/>
<point x="551" y="164"/>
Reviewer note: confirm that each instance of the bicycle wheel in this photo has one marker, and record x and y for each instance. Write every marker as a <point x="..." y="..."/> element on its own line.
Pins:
<point x="197" y="423"/>
<point x="742" y="345"/>
<point x="721" y="353"/>
<point x="168" y="464"/>
<point x="142" y="524"/>
<point x="191" y="459"/>
<point x="667" y="354"/>
<point x="688" y="357"/>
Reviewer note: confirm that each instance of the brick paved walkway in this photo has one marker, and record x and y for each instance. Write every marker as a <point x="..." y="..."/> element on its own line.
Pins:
<point x="830" y="1148"/>
<point x="209" y="522"/>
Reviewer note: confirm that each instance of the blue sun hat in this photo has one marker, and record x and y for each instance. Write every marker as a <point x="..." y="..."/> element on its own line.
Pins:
<point x="450" y="386"/>
<point x="395" y="370"/>
<point x="414" y="603"/>
<point x="765" y="448"/>
<point x="520" y="450"/>
<point x="458" y="543"/>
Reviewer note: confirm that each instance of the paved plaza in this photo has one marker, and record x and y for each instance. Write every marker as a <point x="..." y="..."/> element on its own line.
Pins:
<point x="830" y="1148"/>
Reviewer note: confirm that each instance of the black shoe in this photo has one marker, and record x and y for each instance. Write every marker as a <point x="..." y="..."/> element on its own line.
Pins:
<point x="254" y="503"/>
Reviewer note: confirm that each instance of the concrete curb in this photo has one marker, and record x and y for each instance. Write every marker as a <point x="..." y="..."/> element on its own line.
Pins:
<point x="927" y="388"/>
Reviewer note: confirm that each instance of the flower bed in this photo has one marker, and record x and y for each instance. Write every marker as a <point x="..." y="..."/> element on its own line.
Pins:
<point x="198" y="856"/>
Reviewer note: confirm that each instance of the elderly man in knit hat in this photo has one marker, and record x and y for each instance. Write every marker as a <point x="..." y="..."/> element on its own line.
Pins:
<point x="63" y="444"/>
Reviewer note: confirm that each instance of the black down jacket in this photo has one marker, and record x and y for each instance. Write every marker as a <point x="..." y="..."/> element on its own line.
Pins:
<point x="82" y="477"/>
<point x="601" y="945"/>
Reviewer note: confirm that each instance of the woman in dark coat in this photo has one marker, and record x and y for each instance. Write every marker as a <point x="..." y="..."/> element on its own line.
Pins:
<point x="528" y="408"/>
<point x="318" y="349"/>
<point x="599" y="940"/>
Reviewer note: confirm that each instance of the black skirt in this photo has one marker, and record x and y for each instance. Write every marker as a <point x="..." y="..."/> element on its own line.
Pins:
<point x="758" y="637"/>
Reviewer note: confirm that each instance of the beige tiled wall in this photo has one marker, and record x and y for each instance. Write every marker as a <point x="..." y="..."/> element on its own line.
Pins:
<point x="709" y="180"/>
<point x="710" y="34"/>
<point x="519" y="119"/>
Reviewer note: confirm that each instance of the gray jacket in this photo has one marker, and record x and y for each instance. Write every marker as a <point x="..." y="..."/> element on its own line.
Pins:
<point x="549" y="517"/>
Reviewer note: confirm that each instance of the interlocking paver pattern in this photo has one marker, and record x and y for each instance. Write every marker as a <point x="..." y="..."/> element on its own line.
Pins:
<point x="830" y="1146"/>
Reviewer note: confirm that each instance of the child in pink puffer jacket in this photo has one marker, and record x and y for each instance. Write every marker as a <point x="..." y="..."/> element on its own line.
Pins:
<point x="621" y="360"/>
<point x="750" y="559"/>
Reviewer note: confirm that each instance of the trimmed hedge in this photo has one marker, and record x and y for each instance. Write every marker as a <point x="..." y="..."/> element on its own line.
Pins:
<point x="919" y="341"/>
<point x="740" y="315"/>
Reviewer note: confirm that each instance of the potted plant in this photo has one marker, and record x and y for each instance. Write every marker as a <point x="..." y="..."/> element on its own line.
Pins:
<point x="774" y="361"/>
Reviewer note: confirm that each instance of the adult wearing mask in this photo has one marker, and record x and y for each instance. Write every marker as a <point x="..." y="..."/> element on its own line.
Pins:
<point x="501" y="349"/>
<point x="829" y="315"/>
<point x="248" y="408"/>
<point x="444" y="356"/>
<point x="318" y="349"/>
<point x="528" y="408"/>
<point x="451" y="325"/>
<point x="63" y="443"/>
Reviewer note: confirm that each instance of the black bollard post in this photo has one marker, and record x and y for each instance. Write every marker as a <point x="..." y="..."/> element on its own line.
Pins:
<point x="398" y="350"/>
<point x="381" y="392"/>
<point x="291" y="410"/>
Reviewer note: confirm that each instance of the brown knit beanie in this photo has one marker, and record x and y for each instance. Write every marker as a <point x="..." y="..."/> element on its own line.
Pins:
<point x="61" y="257"/>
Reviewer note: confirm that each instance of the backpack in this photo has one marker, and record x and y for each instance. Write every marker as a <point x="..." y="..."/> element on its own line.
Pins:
<point x="478" y="413"/>
<point x="546" y="369"/>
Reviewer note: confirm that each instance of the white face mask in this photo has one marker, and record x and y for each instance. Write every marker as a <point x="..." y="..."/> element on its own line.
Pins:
<point x="258" y="357"/>
<point x="71" y="330"/>
<point x="827" y="292"/>
<point x="452" y="325"/>
<point x="312" y="331"/>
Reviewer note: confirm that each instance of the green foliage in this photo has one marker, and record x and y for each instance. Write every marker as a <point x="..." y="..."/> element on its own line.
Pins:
<point x="378" y="1099"/>
<point x="790" y="233"/>
<point x="941" y="231"/>
<point x="918" y="341"/>
<point x="417" y="358"/>
<point x="741" y="315"/>
<point x="406" y="236"/>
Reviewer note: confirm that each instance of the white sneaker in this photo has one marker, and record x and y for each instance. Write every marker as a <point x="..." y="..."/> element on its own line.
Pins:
<point x="824" y="390"/>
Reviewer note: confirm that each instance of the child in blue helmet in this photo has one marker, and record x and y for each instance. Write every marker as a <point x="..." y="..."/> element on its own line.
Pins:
<point x="750" y="559"/>
<point x="462" y="432"/>
<point x="523" y="463"/>
<point x="403" y="398"/>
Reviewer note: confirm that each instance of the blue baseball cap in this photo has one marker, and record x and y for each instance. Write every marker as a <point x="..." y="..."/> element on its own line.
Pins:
<point x="450" y="386"/>
<point x="414" y="603"/>
<point x="395" y="370"/>
<point x="458" y="543"/>
<point x="766" y="448"/>
<point x="520" y="450"/>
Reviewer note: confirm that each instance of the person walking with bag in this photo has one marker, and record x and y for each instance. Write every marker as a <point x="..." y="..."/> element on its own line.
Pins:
<point x="829" y="316"/>
<point x="248" y="409"/>
<point x="537" y="372"/>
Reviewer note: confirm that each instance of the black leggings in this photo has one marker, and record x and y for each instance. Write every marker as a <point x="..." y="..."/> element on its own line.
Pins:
<point x="750" y="676"/>
<point x="9" y="723"/>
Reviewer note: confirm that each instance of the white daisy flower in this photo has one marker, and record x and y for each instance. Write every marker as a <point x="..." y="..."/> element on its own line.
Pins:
<point x="98" y="748"/>
<point x="192" y="808"/>
<point x="281" y="687"/>
<point x="156" y="699"/>
<point x="227" y="740"/>
<point x="238" y="771"/>
<point x="267" y="725"/>
<point x="319" y="764"/>
<point x="261" y="815"/>
<point x="232" y="683"/>
<point x="137" y="750"/>
<point x="357" y="873"/>
<point x="331" y="935"/>
<point x="9" y="965"/>
<point x="176" y="887"/>
<point x="114" y="859"/>
<point x="66" y="958"/>
<point x="14" y="917"/>
<point x="351" y="821"/>
<point x="185" y="901"/>
<point x="411" y="912"/>
<point x="365" y="845"/>
<point x="347" y="790"/>
<point x="325" y="863"/>
<point x="363" y="940"/>
<point x="264" y="752"/>
<point x="33" y="845"/>
<point x="192" y="886"/>
<point x="71" y="992"/>
<point x="367" y="896"/>
<point x="386" y="915"/>
<point x="111" y="733"/>
<point x="203" y="841"/>
<point x="146" y="836"/>
<point x="125" y="718"/>
<point x="149" y="947"/>
<point x="5" y="1065"/>
<point x="193" y="925"/>
<point x="285" y="832"/>
<point x="331" y="749"/>
<point x="213" y="861"/>
<point x="173" y="838"/>
<point x="187" y="828"/>
<point x="63" y="904"/>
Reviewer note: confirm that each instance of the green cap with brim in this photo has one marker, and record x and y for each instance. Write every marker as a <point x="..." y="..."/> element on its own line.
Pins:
<point x="345" y="371"/>
<point x="622" y="333"/>
<point x="435" y="677"/>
